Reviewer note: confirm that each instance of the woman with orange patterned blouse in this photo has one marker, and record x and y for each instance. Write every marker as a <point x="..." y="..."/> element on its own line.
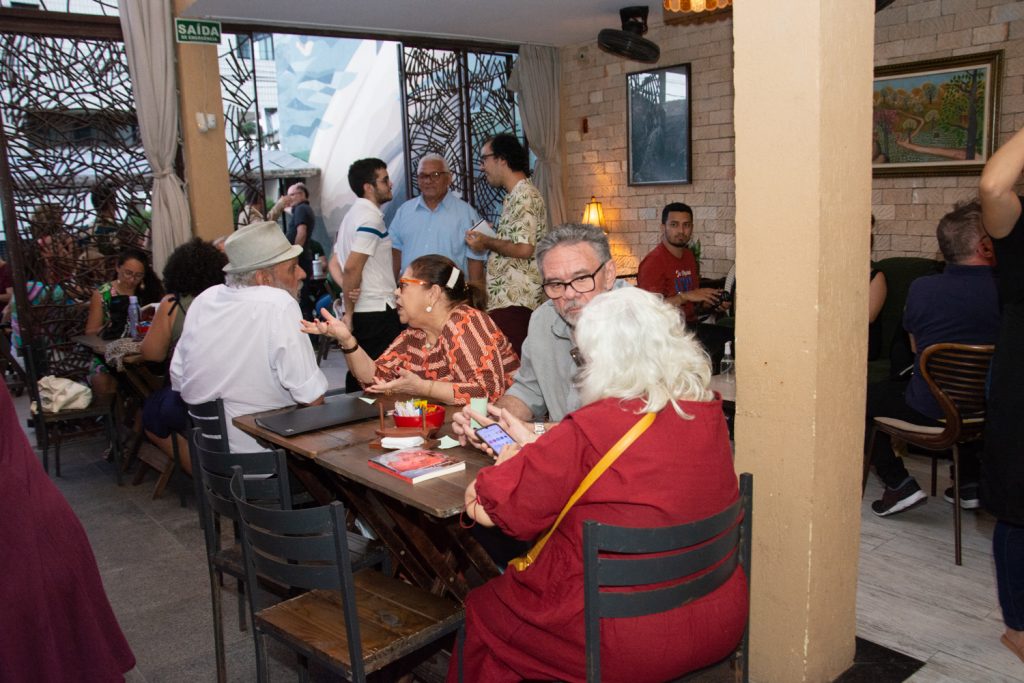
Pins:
<point x="450" y="352"/>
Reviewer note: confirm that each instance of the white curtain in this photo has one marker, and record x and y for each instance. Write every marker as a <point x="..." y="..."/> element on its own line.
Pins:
<point x="535" y="77"/>
<point x="148" y="42"/>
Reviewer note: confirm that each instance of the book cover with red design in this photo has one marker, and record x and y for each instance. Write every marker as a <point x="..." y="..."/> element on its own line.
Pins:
<point x="414" y="465"/>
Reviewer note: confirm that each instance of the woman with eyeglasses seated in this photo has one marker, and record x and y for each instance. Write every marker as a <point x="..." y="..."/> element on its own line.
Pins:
<point x="133" y="277"/>
<point x="451" y="350"/>
<point x="637" y="359"/>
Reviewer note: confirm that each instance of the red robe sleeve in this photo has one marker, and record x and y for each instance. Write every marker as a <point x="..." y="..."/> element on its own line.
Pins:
<point x="524" y="495"/>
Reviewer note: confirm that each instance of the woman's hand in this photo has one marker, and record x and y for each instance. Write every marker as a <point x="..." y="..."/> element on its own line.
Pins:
<point x="330" y="326"/>
<point x="408" y="382"/>
<point x="463" y="428"/>
<point x="520" y="431"/>
<point x="507" y="453"/>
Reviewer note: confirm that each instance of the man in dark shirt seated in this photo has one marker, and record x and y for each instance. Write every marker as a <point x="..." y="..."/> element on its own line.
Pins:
<point x="960" y="305"/>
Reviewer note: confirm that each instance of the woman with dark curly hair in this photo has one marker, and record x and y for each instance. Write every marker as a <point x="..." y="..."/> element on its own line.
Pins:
<point x="191" y="269"/>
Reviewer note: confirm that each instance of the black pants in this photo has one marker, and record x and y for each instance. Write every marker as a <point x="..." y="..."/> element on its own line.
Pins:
<point x="374" y="332"/>
<point x="885" y="399"/>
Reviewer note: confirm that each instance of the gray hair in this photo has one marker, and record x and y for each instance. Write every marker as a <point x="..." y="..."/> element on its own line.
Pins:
<point x="245" y="278"/>
<point x="666" y="362"/>
<point x="959" y="232"/>
<point x="432" y="156"/>
<point x="573" y="233"/>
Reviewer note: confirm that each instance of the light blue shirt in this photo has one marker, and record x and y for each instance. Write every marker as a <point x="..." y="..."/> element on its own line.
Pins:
<point x="417" y="231"/>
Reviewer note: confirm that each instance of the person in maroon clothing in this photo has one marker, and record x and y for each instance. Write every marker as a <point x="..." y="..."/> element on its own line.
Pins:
<point x="671" y="270"/>
<point x="529" y="624"/>
<point x="55" y="621"/>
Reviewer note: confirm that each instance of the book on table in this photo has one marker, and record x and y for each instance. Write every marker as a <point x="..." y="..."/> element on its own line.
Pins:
<point x="416" y="464"/>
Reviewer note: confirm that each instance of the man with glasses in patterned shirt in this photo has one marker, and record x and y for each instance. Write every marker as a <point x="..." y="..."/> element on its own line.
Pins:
<point x="513" y="282"/>
<point x="436" y="222"/>
<point x="576" y="265"/>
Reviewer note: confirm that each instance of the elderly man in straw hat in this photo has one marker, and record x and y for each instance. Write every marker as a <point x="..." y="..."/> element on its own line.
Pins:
<point x="241" y="341"/>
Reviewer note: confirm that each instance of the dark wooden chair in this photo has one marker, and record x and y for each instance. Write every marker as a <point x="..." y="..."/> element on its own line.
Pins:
<point x="268" y="484"/>
<point x="615" y="557"/>
<point x="956" y="375"/>
<point x="212" y="470"/>
<point x="352" y="622"/>
<point x="62" y="360"/>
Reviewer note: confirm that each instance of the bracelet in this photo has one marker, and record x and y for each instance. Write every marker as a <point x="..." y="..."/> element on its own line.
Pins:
<point x="353" y="349"/>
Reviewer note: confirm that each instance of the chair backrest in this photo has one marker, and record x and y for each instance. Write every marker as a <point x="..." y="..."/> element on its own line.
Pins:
<point x="212" y="424"/>
<point x="956" y="375"/>
<point x="305" y="549"/>
<point x="900" y="272"/>
<point x="267" y="481"/>
<point x="659" y="564"/>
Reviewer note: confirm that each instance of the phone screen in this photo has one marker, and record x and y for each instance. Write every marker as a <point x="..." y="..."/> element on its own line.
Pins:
<point x="495" y="437"/>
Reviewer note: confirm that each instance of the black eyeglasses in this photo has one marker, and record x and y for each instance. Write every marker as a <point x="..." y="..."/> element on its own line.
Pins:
<point x="581" y="284"/>
<point x="435" y="175"/>
<point x="484" y="157"/>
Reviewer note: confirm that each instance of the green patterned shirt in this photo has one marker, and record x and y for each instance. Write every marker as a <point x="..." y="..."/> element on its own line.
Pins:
<point x="516" y="281"/>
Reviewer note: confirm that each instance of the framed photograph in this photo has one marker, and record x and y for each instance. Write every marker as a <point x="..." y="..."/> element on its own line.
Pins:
<point x="658" y="126"/>
<point x="936" y="117"/>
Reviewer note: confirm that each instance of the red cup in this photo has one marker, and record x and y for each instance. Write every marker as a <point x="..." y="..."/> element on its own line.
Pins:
<point x="435" y="418"/>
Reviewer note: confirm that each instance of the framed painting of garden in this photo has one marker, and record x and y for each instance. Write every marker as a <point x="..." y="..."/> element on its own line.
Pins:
<point x="935" y="117"/>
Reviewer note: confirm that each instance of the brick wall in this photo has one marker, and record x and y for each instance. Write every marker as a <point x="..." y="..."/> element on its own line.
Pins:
<point x="594" y="88"/>
<point x="907" y="209"/>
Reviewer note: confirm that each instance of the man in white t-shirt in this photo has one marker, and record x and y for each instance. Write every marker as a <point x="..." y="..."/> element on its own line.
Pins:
<point x="362" y="261"/>
<point x="241" y="341"/>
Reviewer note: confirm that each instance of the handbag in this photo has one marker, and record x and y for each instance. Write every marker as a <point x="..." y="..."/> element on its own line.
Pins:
<point x="524" y="561"/>
<point x="59" y="393"/>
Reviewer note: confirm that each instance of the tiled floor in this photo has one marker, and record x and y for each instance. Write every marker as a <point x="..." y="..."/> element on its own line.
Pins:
<point x="914" y="599"/>
<point x="911" y="598"/>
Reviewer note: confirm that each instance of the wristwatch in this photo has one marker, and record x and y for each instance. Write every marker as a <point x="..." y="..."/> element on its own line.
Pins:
<point x="538" y="428"/>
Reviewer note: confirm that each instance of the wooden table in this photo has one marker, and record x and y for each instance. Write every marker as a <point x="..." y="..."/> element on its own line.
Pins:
<point x="419" y="523"/>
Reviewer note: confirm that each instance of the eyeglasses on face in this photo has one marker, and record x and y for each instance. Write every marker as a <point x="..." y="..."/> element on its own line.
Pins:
<point x="131" y="275"/>
<point x="434" y="175"/>
<point x="581" y="285"/>
<point x="406" y="281"/>
<point x="485" y="157"/>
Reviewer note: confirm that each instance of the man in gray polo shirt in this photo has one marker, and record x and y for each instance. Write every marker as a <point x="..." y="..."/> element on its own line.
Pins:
<point x="576" y="265"/>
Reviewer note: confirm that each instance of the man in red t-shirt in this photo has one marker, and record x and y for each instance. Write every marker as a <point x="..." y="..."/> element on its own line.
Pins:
<point x="671" y="270"/>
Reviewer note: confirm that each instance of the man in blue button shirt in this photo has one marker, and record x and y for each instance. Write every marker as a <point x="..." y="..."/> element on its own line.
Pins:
<point x="436" y="222"/>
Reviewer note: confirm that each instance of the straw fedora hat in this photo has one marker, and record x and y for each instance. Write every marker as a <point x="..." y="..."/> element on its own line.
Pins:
<point x="257" y="246"/>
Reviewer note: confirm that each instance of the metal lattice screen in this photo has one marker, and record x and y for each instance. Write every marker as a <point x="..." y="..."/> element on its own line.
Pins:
<point x="454" y="101"/>
<point x="79" y="183"/>
<point x="242" y="129"/>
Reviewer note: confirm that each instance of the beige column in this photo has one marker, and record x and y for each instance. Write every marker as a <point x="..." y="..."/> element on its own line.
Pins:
<point x="205" y="154"/>
<point x="803" y="193"/>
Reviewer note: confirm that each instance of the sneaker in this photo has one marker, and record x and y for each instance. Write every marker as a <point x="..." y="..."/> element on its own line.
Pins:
<point x="897" y="500"/>
<point x="968" y="496"/>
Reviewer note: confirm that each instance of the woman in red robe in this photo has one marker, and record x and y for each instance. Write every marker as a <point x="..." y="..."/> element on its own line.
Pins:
<point x="529" y="624"/>
<point x="55" y="621"/>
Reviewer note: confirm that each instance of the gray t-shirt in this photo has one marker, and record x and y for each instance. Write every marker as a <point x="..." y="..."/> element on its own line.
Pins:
<point x="545" y="378"/>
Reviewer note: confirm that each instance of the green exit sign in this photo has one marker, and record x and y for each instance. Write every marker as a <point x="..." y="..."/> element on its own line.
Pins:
<point x="197" y="31"/>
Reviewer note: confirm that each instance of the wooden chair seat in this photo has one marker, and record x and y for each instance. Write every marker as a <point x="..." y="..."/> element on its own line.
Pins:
<point x="894" y="427"/>
<point x="956" y="376"/>
<point x="102" y="406"/>
<point x="395" y="619"/>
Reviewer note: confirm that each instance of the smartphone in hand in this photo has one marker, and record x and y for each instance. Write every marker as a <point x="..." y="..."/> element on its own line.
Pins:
<point x="495" y="437"/>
